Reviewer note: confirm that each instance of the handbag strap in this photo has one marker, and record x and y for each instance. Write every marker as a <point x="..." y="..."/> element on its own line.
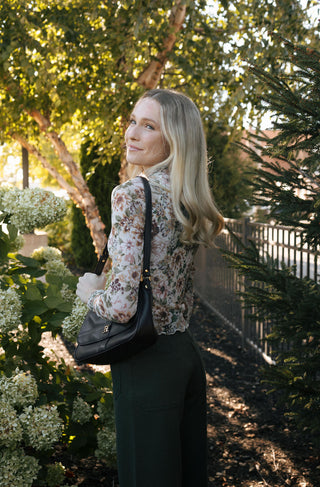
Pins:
<point x="147" y="237"/>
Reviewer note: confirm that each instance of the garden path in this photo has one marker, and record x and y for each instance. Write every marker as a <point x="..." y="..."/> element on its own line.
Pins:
<point x="251" y="444"/>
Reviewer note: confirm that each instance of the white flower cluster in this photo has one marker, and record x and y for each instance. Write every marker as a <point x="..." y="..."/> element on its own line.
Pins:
<point x="46" y="253"/>
<point x="10" y="426"/>
<point x="81" y="411"/>
<point x="21" y="423"/>
<point x="58" y="268"/>
<point x="67" y="294"/>
<point x="4" y="188"/>
<point x="10" y="301"/>
<point x="19" y="390"/>
<point x="72" y="323"/>
<point x="32" y="208"/>
<point x="106" y="439"/>
<point x="51" y="258"/>
<point x="17" y="469"/>
<point x="42" y="426"/>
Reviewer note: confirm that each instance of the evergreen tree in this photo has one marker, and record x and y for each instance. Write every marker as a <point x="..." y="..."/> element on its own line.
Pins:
<point x="288" y="181"/>
<point x="231" y="189"/>
<point x="101" y="179"/>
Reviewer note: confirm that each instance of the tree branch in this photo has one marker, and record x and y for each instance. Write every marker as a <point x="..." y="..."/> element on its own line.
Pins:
<point x="72" y="192"/>
<point x="60" y="147"/>
<point x="150" y="77"/>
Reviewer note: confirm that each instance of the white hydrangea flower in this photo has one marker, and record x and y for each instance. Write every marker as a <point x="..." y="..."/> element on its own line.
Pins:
<point x="46" y="253"/>
<point x="4" y="188"/>
<point x="106" y="413"/>
<point x="81" y="411"/>
<point x="10" y="301"/>
<point x="17" y="469"/>
<point x="106" y="439"/>
<point x="19" y="390"/>
<point x="67" y="294"/>
<point x="42" y="426"/>
<point x="58" y="268"/>
<point x="32" y="208"/>
<point x="10" y="427"/>
<point x="72" y="323"/>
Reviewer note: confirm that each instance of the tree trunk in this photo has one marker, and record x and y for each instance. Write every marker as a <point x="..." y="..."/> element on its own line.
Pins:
<point x="25" y="168"/>
<point x="79" y="194"/>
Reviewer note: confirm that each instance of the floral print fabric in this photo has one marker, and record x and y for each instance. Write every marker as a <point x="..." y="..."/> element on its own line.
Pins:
<point x="171" y="264"/>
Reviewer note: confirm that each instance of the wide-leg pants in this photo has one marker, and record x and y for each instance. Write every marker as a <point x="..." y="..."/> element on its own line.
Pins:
<point x="160" y="411"/>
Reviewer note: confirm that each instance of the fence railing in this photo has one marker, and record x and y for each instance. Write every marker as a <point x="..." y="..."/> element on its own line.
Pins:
<point x="219" y="285"/>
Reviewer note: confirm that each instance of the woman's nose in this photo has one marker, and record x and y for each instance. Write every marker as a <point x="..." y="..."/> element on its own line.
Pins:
<point x="133" y="132"/>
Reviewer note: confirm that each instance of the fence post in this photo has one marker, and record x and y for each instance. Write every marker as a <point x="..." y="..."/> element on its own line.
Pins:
<point x="244" y="281"/>
<point x="245" y="230"/>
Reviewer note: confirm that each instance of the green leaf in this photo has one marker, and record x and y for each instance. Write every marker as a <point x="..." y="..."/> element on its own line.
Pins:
<point x="13" y="231"/>
<point x="28" y="261"/>
<point x="32" y="293"/>
<point x="55" y="321"/>
<point x="33" y="308"/>
<point x="53" y="302"/>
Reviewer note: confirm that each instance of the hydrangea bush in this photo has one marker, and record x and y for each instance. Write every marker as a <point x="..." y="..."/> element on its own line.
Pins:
<point x="32" y="208"/>
<point x="43" y="402"/>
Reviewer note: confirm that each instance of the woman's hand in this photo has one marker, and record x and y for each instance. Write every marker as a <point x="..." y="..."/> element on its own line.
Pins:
<point x="89" y="283"/>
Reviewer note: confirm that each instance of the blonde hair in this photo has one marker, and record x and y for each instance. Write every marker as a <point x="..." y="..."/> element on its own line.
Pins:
<point x="192" y="200"/>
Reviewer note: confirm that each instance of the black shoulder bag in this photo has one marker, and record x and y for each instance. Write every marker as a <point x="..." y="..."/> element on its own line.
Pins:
<point x="101" y="341"/>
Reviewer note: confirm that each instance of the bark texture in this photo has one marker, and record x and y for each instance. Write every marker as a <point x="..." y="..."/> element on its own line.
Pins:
<point x="150" y="77"/>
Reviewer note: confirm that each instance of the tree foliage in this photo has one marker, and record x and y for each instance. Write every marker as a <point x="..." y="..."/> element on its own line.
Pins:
<point x="83" y="63"/>
<point x="287" y="181"/>
<point x="228" y="172"/>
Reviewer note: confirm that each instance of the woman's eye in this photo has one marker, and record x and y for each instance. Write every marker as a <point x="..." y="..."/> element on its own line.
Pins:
<point x="149" y="126"/>
<point x="132" y="122"/>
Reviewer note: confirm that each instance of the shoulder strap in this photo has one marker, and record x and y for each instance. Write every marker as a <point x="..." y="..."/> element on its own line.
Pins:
<point x="147" y="229"/>
<point x="147" y="236"/>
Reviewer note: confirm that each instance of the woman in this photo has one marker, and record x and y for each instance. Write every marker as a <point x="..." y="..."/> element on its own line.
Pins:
<point x="160" y="393"/>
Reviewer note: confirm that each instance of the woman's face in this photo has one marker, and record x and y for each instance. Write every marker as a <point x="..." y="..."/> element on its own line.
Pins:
<point x="145" y="143"/>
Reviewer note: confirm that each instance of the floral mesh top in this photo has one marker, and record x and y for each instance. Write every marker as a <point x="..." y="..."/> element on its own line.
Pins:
<point x="171" y="264"/>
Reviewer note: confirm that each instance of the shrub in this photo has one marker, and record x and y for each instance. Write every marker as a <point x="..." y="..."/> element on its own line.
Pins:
<point x="41" y="399"/>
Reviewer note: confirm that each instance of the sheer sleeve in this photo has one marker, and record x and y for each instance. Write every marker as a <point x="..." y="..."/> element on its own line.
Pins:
<point x="119" y="301"/>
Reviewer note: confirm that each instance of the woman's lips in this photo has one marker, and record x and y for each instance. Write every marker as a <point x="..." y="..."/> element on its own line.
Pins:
<point x="133" y="148"/>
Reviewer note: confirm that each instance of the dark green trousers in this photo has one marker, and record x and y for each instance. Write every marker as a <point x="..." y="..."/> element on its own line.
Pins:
<point x="160" y="410"/>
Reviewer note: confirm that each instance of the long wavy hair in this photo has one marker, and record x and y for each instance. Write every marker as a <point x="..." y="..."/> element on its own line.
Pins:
<point x="192" y="199"/>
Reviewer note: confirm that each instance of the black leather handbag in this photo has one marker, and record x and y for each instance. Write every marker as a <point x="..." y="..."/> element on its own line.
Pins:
<point x="101" y="341"/>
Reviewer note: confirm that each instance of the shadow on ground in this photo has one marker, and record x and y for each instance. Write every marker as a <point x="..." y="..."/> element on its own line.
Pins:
<point x="250" y="441"/>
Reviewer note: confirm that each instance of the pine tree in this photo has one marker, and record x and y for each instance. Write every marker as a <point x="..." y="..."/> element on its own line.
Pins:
<point x="287" y="182"/>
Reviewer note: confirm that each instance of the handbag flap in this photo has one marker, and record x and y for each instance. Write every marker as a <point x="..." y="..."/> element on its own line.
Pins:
<point x="95" y="329"/>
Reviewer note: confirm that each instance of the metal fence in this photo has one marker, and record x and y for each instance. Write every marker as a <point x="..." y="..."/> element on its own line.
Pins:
<point x="219" y="285"/>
